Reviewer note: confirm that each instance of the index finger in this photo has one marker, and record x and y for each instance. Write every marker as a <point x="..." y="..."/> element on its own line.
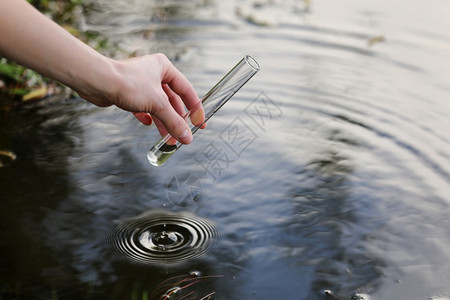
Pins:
<point x="184" y="89"/>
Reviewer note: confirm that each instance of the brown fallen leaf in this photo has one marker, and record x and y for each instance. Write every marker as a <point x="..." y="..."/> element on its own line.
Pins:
<point x="375" y="40"/>
<point x="6" y="157"/>
<point x="36" y="94"/>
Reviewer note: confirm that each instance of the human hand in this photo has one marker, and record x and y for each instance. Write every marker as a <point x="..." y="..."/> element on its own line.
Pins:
<point x="148" y="86"/>
<point x="153" y="90"/>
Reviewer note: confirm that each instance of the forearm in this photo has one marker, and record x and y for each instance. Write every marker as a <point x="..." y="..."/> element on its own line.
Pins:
<point x="147" y="85"/>
<point x="35" y="41"/>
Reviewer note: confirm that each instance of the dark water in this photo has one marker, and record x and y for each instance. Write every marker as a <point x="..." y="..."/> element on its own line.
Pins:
<point x="329" y="170"/>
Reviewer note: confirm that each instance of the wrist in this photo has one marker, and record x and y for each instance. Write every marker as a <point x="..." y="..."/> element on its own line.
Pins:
<point x="99" y="83"/>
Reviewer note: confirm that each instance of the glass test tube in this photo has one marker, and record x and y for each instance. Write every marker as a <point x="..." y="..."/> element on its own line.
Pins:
<point x="212" y="102"/>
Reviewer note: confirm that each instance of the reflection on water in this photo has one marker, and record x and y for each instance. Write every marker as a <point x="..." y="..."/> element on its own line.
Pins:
<point x="344" y="193"/>
<point x="324" y="221"/>
<point x="190" y="285"/>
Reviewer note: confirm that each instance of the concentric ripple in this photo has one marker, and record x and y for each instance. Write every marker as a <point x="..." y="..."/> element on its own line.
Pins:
<point x="161" y="237"/>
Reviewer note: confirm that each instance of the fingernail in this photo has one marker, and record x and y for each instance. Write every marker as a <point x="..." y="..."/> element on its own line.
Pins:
<point x="197" y="117"/>
<point x="186" y="136"/>
<point x="147" y="120"/>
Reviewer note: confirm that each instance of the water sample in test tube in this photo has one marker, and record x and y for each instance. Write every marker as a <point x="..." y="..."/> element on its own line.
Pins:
<point x="211" y="102"/>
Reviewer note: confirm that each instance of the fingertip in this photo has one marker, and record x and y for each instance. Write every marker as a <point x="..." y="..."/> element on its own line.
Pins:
<point x="171" y="141"/>
<point x="198" y="117"/>
<point x="186" y="137"/>
<point x="144" y="118"/>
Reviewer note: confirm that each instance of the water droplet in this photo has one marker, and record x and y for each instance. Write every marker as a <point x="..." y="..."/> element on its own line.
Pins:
<point x="195" y="273"/>
<point x="328" y="292"/>
<point x="360" y="296"/>
<point x="165" y="238"/>
<point x="171" y="292"/>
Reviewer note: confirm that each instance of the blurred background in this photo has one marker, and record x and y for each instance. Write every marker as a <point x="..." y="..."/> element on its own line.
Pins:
<point x="327" y="176"/>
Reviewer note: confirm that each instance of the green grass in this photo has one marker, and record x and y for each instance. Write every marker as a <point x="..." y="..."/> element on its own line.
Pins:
<point x="17" y="81"/>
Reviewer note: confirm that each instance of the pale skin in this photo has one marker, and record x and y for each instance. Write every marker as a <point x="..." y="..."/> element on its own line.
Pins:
<point x="148" y="86"/>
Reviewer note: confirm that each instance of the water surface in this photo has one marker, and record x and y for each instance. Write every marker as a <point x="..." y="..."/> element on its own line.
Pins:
<point x="329" y="170"/>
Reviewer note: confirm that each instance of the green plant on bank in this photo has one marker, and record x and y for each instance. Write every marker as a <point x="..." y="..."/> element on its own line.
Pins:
<point x="19" y="85"/>
<point x="61" y="11"/>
